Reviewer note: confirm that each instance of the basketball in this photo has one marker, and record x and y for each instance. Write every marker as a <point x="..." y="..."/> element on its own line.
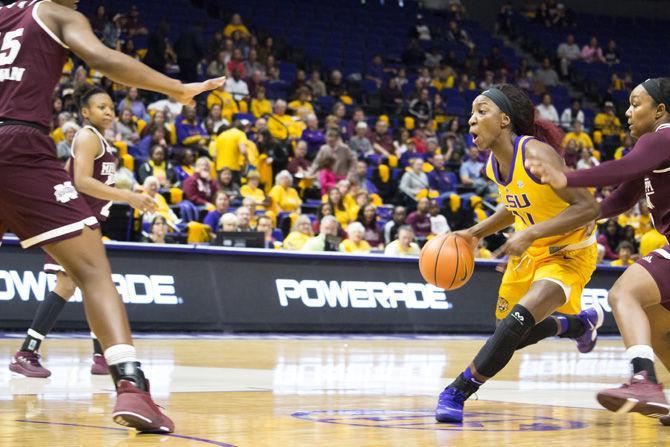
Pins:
<point x="447" y="261"/>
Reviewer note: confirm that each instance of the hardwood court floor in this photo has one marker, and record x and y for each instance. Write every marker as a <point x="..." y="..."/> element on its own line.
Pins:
<point x="326" y="391"/>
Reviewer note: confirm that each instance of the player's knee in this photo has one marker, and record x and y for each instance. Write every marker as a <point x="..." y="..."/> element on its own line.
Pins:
<point x="618" y="296"/>
<point x="88" y="269"/>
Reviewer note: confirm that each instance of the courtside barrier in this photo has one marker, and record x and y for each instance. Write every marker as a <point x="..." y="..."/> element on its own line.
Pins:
<point x="197" y="288"/>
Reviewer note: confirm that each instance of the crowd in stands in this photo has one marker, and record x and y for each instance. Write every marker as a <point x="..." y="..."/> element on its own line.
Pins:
<point x="310" y="162"/>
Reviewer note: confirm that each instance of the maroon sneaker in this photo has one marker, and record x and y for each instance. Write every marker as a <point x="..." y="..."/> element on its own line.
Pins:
<point x="99" y="366"/>
<point x="28" y="364"/>
<point x="639" y="396"/>
<point x="135" y="408"/>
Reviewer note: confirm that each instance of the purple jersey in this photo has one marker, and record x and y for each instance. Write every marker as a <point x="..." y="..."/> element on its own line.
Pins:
<point x="104" y="170"/>
<point x="31" y="62"/>
<point x="644" y="171"/>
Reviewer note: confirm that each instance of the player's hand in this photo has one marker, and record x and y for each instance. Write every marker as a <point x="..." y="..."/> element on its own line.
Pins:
<point x="469" y="237"/>
<point x="142" y="202"/>
<point x="189" y="91"/>
<point x="517" y="243"/>
<point x="547" y="174"/>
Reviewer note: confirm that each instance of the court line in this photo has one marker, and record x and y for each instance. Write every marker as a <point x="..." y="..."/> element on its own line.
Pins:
<point x="172" y="435"/>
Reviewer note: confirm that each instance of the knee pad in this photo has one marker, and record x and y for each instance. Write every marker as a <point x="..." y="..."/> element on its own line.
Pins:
<point x="500" y="347"/>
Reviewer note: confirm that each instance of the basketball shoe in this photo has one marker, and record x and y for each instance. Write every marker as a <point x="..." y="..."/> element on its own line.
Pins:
<point x="592" y="318"/>
<point x="135" y="408"/>
<point x="99" y="366"/>
<point x="452" y="399"/>
<point x="28" y="364"/>
<point x="640" y="395"/>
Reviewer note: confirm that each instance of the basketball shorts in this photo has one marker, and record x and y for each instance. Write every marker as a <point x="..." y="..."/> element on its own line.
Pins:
<point x="570" y="269"/>
<point x="657" y="263"/>
<point x="38" y="201"/>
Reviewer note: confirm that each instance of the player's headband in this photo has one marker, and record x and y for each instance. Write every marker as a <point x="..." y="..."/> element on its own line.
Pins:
<point x="501" y="100"/>
<point x="653" y="87"/>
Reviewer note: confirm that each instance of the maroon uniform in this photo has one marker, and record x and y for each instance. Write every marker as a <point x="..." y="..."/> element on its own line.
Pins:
<point x="38" y="201"/>
<point x="643" y="172"/>
<point x="104" y="170"/>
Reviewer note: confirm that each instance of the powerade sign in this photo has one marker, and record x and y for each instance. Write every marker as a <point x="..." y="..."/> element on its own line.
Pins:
<point x="189" y="288"/>
<point x="133" y="288"/>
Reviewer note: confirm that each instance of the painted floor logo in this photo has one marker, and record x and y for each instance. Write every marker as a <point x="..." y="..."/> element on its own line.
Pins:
<point x="425" y="420"/>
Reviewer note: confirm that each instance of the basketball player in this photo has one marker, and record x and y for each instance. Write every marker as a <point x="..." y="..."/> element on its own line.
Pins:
<point x="92" y="168"/>
<point x="640" y="298"/>
<point x="549" y="263"/>
<point x="38" y="201"/>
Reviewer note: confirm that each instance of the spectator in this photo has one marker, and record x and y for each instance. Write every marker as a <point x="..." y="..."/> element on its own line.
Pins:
<point x="367" y="216"/>
<point x="125" y="179"/>
<point x="236" y="86"/>
<point x="382" y="141"/>
<point x="302" y="232"/>
<point x="236" y="63"/>
<point x="421" y="30"/>
<point x="586" y="160"/>
<point x="609" y="125"/>
<point x="264" y="225"/>
<point x="217" y="67"/>
<point x="299" y="164"/>
<point x="228" y="105"/>
<point x="317" y="86"/>
<point x="215" y="123"/>
<point x="266" y="51"/>
<point x="438" y="223"/>
<point x="342" y="214"/>
<point x="573" y="113"/>
<point x="359" y="143"/>
<point x="610" y="239"/>
<point x="391" y="227"/>
<point x="336" y="87"/>
<point x="327" y="177"/>
<point x="420" y="220"/>
<point x="582" y="139"/>
<point x="260" y="105"/>
<point x="421" y="108"/>
<point x="625" y="252"/>
<point x="546" y="110"/>
<point x="243" y="214"/>
<point x="567" y="53"/>
<point x="611" y="54"/>
<point x="190" y="50"/>
<point x="413" y="181"/>
<point x="496" y="60"/>
<point x="285" y="198"/>
<point x="190" y="131"/>
<point x="279" y="122"/>
<point x="546" y="75"/>
<point x="456" y="34"/>
<point x="134" y="103"/>
<point x="150" y="188"/>
<point x="303" y="98"/>
<point x="627" y="146"/>
<point x="158" y="49"/>
<point x="126" y="128"/>
<point x="327" y="240"/>
<point x="354" y="243"/>
<point x="439" y="179"/>
<point x="169" y="106"/>
<point x="158" y="137"/>
<point x="324" y="209"/>
<point x="200" y="188"/>
<point x="253" y="192"/>
<point x="158" y="167"/>
<point x="236" y="25"/>
<point x="158" y="231"/>
<point x="392" y="98"/>
<point x="134" y="25"/>
<point x="229" y="223"/>
<point x="361" y="179"/>
<point x="313" y="136"/>
<point x="228" y="184"/>
<point x="345" y="162"/>
<point x="221" y="207"/>
<point x="592" y="52"/>
<point x="375" y="71"/>
<point x="471" y="171"/>
<point x="433" y="58"/>
<point x="404" y="245"/>
<point x="252" y="65"/>
<point x="231" y="149"/>
<point x="64" y="148"/>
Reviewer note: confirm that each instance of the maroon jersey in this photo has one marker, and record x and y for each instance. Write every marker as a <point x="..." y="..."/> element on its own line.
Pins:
<point x="644" y="171"/>
<point x="31" y="62"/>
<point x="104" y="170"/>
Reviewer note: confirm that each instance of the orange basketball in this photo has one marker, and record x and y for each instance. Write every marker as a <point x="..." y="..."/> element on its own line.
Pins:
<point x="447" y="261"/>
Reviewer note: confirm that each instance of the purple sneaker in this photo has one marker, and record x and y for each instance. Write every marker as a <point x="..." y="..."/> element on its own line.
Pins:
<point x="450" y="405"/>
<point x="28" y="364"/>
<point x="99" y="366"/>
<point x="592" y="318"/>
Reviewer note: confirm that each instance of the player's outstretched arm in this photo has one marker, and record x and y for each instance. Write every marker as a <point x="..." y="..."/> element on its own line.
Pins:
<point x="75" y="31"/>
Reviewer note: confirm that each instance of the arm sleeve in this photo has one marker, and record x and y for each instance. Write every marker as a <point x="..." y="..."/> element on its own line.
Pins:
<point x="622" y="199"/>
<point x="649" y="153"/>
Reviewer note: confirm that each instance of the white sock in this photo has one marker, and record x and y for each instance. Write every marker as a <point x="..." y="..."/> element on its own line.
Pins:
<point x="120" y="354"/>
<point x="641" y="351"/>
<point x="93" y="336"/>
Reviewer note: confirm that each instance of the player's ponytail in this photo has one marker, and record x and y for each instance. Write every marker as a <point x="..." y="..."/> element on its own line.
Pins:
<point x="523" y="118"/>
<point x="84" y="93"/>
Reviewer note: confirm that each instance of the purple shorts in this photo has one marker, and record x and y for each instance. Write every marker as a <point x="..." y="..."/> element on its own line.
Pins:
<point x="657" y="263"/>
<point x="38" y="201"/>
